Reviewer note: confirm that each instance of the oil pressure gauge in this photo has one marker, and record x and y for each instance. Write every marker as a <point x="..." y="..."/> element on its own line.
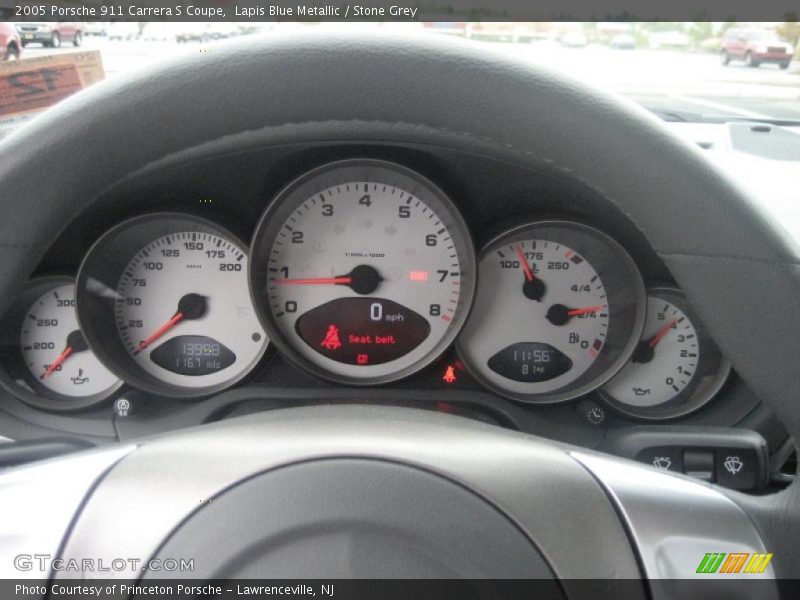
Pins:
<point x="675" y="369"/>
<point x="559" y="310"/>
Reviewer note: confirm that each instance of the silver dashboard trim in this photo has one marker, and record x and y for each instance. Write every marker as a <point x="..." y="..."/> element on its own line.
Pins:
<point x="674" y="521"/>
<point x="39" y="502"/>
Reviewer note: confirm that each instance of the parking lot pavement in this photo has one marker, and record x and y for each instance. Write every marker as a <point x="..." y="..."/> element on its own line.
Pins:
<point x="690" y="82"/>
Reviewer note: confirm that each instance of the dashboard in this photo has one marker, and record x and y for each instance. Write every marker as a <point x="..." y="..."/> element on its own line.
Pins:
<point x="359" y="273"/>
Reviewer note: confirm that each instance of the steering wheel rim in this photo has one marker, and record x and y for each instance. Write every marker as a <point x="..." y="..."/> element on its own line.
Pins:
<point x="334" y="87"/>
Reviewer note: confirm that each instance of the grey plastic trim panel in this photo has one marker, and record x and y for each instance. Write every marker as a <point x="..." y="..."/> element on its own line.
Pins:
<point x="39" y="502"/>
<point x="674" y="521"/>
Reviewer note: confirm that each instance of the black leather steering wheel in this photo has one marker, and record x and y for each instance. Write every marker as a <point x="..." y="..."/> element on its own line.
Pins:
<point x="741" y="274"/>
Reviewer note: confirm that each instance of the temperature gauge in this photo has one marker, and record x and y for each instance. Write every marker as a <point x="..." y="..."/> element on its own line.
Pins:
<point x="675" y="369"/>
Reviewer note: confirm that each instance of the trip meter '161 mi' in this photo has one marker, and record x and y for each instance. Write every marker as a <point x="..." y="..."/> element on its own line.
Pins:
<point x="363" y="271"/>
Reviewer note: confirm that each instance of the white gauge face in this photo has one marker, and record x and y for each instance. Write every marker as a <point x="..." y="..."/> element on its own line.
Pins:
<point x="540" y="318"/>
<point x="55" y="352"/>
<point x="184" y="313"/>
<point x="558" y="311"/>
<point x="368" y="275"/>
<point x="664" y="363"/>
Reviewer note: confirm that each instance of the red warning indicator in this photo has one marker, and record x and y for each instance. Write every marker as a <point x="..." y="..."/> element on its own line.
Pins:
<point x="449" y="374"/>
<point x="362" y="359"/>
<point x="331" y="341"/>
<point x="418" y="276"/>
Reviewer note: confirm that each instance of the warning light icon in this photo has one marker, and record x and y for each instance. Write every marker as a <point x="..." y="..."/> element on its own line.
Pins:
<point x="331" y="341"/>
<point x="362" y="359"/>
<point x="449" y="374"/>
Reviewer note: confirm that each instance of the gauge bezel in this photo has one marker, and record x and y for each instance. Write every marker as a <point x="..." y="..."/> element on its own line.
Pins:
<point x="708" y="378"/>
<point x="105" y="262"/>
<point x="39" y="395"/>
<point x="308" y="185"/>
<point x="564" y="232"/>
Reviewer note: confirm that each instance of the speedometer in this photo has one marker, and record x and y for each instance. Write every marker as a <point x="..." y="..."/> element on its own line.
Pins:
<point x="163" y="299"/>
<point x="558" y="311"/>
<point x="363" y="271"/>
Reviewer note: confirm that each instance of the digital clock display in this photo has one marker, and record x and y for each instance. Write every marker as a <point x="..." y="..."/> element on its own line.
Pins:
<point x="530" y="362"/>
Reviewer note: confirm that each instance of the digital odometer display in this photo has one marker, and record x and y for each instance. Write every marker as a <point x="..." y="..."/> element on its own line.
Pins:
<point x="193" y="355"/>
<point x="362" y="271"/>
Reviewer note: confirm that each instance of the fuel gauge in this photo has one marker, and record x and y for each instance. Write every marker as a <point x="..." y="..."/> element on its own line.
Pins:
<point x="675" y="369"/>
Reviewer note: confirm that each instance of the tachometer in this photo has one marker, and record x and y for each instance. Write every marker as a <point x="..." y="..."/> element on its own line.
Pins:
<point x="164" y="300"/>
<point x="675" y="369"/>
<point x="558" y="311"/>
<point x="362" y="271"/>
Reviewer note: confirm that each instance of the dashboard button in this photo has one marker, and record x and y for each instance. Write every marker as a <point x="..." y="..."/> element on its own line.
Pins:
<point x="737" y="468"/>
<point x="667" y="458"/>
<point x="728" y="456"/>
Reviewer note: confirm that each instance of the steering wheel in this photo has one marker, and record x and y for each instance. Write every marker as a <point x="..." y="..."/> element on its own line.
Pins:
<point x="389" y="492"/>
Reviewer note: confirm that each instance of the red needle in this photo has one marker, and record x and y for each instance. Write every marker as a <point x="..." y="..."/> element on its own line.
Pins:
<point x="57" y="362"/>
<point x="662" y="332"/>
<point x="581" y="311"/>
<point x="316" y="281"/>
<point x="160" y="331"/>
<point x="525" y="266"/>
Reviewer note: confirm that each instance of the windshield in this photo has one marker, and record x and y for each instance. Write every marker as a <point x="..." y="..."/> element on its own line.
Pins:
<point x="683" y="71"/>
<point x="763" y="35"/>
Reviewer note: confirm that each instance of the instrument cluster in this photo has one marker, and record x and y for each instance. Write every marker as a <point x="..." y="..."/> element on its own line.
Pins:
<point x="360" y="272"/>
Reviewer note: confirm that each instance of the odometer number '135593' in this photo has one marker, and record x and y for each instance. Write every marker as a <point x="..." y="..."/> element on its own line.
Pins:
<point x="363" y="271"/>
